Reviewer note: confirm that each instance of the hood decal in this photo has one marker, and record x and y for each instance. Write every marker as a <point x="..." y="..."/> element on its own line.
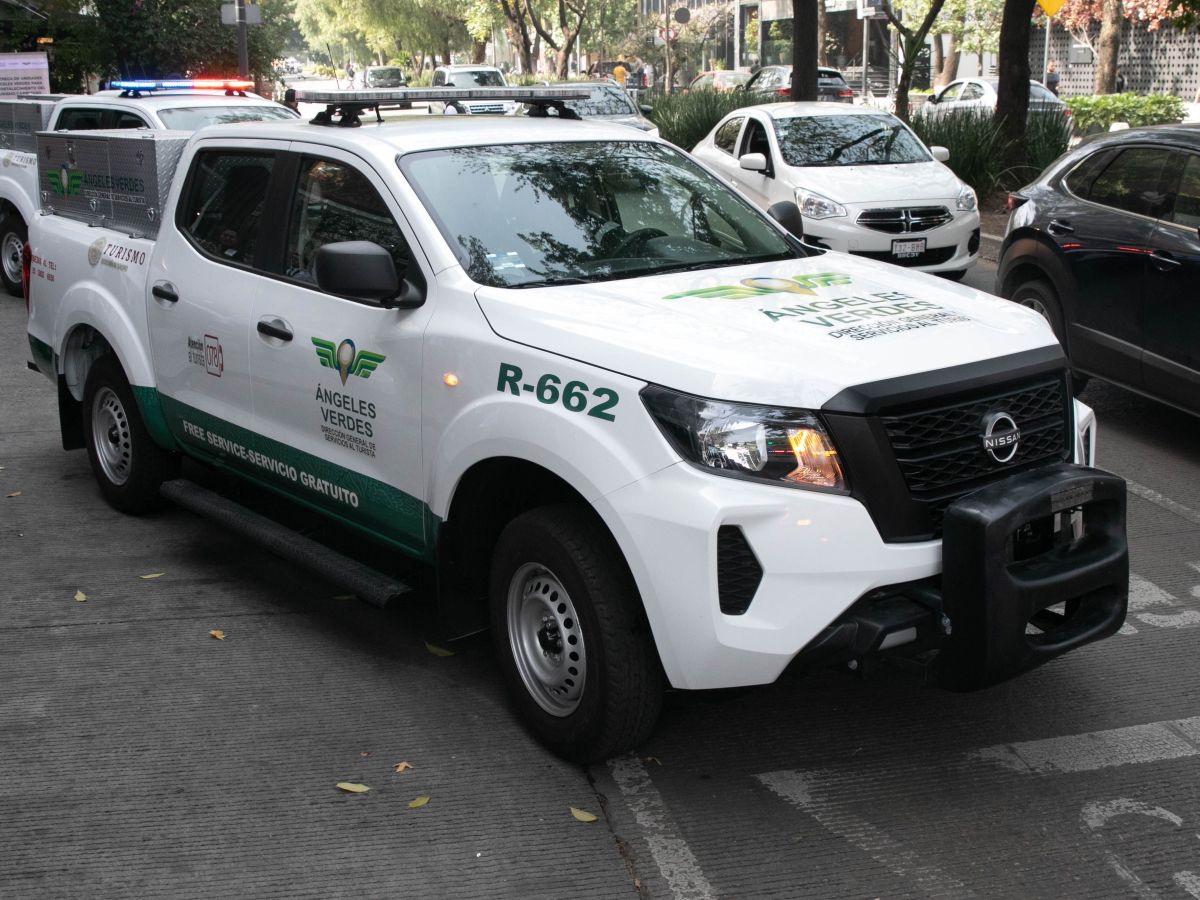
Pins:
<point x="759" y="285"/>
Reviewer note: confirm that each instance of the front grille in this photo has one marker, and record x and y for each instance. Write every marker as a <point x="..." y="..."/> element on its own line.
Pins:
<point x="940" y="452"/>
<point x="480" y="109"/>
<point x="738" y="571"/>
<point x="928" y="258"/>
<point x="905" y="220"/>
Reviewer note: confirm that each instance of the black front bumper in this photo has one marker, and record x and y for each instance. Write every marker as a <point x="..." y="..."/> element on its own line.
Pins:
<point x="1033" y="566"/>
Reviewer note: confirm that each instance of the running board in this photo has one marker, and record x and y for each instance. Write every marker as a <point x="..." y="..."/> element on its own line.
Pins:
<point x="366" y="583"/>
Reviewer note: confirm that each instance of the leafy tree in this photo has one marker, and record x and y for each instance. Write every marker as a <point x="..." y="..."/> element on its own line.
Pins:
<point x="1077" y="17"/>
<point x="912" y="41"/>
<point x="1012" y="93"/>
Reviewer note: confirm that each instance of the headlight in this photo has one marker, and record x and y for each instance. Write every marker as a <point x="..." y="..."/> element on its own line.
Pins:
<point x="789" y="446"/>
<point x="966" y="199"/>
<point x="814" y="206"/>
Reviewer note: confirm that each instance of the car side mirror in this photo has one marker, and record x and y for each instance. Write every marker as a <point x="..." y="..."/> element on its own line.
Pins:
<point x="941" y="154"/>
<point x="933" y="99"/>
<point x="646" y="108"/>
<point x="753" y="162"/>
<point x="362" y="270"/>
<point x="787" y="214"/>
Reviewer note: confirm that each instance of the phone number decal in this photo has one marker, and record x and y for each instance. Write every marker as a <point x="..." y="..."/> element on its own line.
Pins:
<point x="575" y="396"/>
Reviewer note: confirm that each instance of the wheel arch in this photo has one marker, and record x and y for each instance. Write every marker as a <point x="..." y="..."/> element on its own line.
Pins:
<point x="1029" y="254"/>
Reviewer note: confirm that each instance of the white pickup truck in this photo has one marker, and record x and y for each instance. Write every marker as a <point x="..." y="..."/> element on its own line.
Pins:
<point x="628" y="417"/>
<point x="179" y="105"/>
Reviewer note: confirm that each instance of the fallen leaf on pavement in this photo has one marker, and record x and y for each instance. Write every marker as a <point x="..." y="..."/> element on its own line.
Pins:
<point x="401" y="766"/>
<point x="418" y="802"/>
<point x="438" y="651"/>
<point x="364" y="753"/>
<point x="80" y="597"/>
<point x="14" y="494"/>
<point x="582" y="815"/>
<point x="217" y="633"/>
<point x="151" y="575"/>
<point x="351" y="788"/>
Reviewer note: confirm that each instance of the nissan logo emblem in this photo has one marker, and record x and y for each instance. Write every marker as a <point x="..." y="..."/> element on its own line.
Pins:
<point x="1001" y="437"/>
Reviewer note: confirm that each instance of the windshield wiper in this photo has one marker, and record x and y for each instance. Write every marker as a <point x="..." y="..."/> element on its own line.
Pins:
<point x="838" y="151"/>
<point x="552" y="282"/>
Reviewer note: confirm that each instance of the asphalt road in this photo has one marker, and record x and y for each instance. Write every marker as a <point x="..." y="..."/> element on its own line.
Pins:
<point x="139" y="756"/>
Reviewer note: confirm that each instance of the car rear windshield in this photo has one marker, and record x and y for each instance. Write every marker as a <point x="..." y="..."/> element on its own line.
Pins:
<point x="474" y="79"/>
<point x="385" y="77"/>
<point x="520" y="215"/>
<point x="189" y="118"/>
<point x="852" y="140"/>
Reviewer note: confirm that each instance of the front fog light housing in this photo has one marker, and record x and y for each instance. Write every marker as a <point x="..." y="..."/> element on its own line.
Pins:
<point x="787" y="446"/>
<point x="814" y="206"/>
<point x="967" y="201"/>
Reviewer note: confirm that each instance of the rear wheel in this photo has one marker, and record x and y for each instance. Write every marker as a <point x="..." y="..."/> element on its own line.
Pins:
<point x="13" y="235"/>
<point x="1039" y="295"/>
<point x="128" y="465"/>
<point x="571" y="636"/>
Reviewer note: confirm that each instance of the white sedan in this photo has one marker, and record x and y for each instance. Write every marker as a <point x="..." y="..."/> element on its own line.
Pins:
<point x="865" y="184"/>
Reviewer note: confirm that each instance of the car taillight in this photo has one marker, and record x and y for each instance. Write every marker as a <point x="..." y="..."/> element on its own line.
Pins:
<point x="26" y="265"/>
<point x="1015" y="201"/>
<point x="1067" y="111"/>
<point x="845" y="92"/>
<point x="783" y="91"/>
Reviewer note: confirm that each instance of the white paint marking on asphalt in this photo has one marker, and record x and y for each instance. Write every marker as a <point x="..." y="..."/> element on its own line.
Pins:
<point x="671" y="853"/>
<point x="1097" y="814"/>
<point x="1094" y="750"/>
<point x="1190" y="882"/>
<point x="1140" y="889"/>
<point x="1143" y="594"/>
<point x="796" y="788"/>
<point x="1165" y="502"/>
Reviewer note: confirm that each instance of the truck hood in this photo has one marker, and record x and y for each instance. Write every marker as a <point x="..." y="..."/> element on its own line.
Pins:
<point x="790" y="333"/>
<point x="901" y="182"/>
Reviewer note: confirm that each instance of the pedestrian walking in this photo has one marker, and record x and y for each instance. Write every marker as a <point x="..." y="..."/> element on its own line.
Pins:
<point x="1052" y="77"/>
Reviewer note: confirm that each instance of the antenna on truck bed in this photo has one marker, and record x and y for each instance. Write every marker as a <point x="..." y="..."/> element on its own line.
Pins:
<point x="348" y="106"/>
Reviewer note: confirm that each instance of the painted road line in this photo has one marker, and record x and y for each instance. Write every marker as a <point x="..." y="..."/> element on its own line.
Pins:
<point x="1165" y="502"/>
<point x="796" y="787"/>
<point x="1145" y="595"/>
<point x="1097" y="814"/>
<point x="1190" y="882"/>
<point x="1094" y="750"/>
<point x="675" y="860"/>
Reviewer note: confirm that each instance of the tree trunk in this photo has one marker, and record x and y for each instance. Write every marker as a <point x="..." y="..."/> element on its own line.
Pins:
<point x="804" y="49"/>
<point x="822" y="58"/>
<point x="947" y="69"/>
<point x="911" y="42"/>
<point x="1012" y="100"/>
<point x="478" y="52"/>
<point x="1109" y="46"/>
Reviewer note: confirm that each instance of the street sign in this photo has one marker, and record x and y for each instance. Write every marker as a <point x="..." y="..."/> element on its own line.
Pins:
<point x="229" y="13"/>
<point x="24" y="73"/>
<point x="1051" y="7"/>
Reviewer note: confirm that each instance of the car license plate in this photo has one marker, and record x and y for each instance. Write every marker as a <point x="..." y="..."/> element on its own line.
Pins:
<point x="908" y="249"/>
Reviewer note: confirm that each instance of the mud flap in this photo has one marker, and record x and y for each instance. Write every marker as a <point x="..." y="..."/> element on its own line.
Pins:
<point x="1012" y="550"/>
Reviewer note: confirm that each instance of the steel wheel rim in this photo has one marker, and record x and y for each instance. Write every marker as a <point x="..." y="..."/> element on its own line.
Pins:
<point x="10" y="250"/>
<point x="545" y="639"/>
<point x="1036" y="305"/>
<point x="111" y="436"/>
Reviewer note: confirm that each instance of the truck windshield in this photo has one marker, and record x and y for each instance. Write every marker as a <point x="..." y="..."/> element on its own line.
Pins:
<point x="520" y="215"/>
<point x="191" y="118"/>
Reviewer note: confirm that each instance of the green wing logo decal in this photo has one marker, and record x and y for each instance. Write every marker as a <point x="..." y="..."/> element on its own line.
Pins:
<point x="760" y="286"/>
<point x="345" y="359"/>
<point x="65" y="181"/>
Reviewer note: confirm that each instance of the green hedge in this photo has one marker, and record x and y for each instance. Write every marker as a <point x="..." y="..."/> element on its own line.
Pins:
<point x="684" y="119"/>
<point x="1098" y="113"/>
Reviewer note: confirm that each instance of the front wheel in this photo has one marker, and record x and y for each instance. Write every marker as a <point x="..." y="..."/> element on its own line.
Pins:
<point x="571" y="636"/>
<point x="13" y="235"/>
<point x="1039" y="295"/>
<point x="128" y="465"/>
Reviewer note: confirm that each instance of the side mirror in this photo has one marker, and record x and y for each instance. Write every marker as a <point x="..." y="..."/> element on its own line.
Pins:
<point x="361" y="270"/>
<point x="754" y="162"/>
<point x="941" y="154"/>
<point x="646" y="108"/>
<point x="787" y="214"/>
<point x="933" y="99"/>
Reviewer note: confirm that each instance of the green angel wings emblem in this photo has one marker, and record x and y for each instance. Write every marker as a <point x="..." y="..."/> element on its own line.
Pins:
<point x="759" y="286"/>
<point x="344" y="359"/>
<point x="65" y="181"/>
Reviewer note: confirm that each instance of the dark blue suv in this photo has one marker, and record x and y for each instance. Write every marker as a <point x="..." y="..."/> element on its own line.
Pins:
<point x="1105" y="244"/>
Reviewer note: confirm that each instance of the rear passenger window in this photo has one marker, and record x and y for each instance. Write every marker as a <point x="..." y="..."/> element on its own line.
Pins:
<point x="79" y="118"/>
<point x="727" y="134"/>
<point x="1132" y="182"/>
<point x="1186" y="206"/>
<point x="123" y="119"/>
<point x="1079" y="180"/>
<point x="226" y="194"/>
<point x="335" y="202"/>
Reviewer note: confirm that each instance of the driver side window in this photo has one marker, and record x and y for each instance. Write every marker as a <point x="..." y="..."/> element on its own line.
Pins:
<point x="335" y="202"/>
<point x="950" y="94"/>
<point x="754" y="140"/>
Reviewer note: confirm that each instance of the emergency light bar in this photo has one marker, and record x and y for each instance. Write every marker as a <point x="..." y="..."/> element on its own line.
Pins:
<point x="137" y="88"/>
<point x="351" y="104"/>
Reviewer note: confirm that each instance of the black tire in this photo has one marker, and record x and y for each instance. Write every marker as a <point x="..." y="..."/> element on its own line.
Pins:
<point x="549" y="563"/>
<point x="128" y="465"/>
<point x="13" y="235"/>
<point x="1039" y="295"/>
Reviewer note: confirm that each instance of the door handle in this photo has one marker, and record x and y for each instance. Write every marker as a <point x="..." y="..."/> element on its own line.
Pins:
<point x="1164" y="262"/>
<point x="165" y="291"/>
<point x="1057" y="226"/>
<point x="270" y="329"/>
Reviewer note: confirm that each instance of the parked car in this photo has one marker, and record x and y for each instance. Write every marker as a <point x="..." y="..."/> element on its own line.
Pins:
<point x="385" y="77"/>
<point x="610" y="103"/>
<point x="721" y="80"/>
<point x="979" y="95"/>
<point x="865" y="184"/>
<point x="1105" y="246"/>
<point x="776" y="81"/>
<point x="472" y="77"/>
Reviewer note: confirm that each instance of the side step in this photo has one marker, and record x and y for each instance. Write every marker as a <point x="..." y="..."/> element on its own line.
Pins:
<point x="366" y="583"/>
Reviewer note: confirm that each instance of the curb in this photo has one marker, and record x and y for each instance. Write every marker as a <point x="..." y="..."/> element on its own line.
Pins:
<point x="989" y="246"/>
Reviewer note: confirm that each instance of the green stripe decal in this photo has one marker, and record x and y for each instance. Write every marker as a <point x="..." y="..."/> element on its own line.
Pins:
<point x="359" y="501"/>
<point x="43" y="357"/>
<point x="153" y="417"/>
